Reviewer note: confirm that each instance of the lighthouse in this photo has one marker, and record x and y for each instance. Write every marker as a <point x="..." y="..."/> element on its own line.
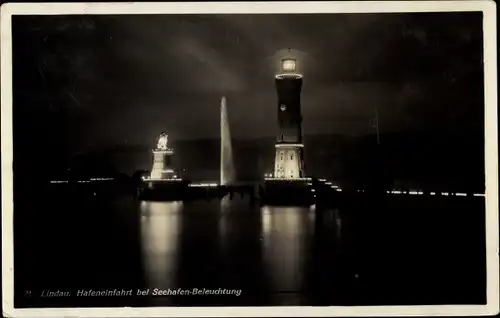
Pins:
<point x="289" y="163"/>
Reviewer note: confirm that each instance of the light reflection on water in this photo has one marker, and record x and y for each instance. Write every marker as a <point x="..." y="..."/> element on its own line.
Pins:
<point x="225" y="210"/>
<point x="277" y="256"/>
<point x="338" y="224"/>
<point x="160" y="231"/>
<point x="283" y="238"/>
<point x="311" y="255"/>
<point x="286" y="232"/>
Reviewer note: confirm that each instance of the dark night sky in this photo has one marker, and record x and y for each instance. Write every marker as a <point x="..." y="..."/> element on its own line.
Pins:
<point x="107" y="79"/>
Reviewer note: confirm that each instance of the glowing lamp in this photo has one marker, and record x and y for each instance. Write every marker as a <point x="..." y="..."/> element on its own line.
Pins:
<point x="288" y="65"/>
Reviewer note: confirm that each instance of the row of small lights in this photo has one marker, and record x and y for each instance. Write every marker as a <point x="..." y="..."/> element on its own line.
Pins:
<point x="269" y="176"/>
<point x="83" y="181"/>
<point x="199" y="185"/>
<point x="459" y="194"/>
<point x="174" y="178"/>
<point x="337" y="188"/>
<point x="304" y="179"/>
<point x="145" y="178"/>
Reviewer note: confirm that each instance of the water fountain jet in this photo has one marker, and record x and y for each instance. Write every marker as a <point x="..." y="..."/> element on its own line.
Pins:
<point x="227" y="171"/>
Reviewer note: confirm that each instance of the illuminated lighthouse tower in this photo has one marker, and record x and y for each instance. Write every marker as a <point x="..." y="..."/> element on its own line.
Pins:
<point x="162" y="160"/>
<point x="289" y="148"/>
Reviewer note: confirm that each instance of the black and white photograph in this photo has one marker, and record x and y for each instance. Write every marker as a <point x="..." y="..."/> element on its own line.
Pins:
<point x="237" y="158"/>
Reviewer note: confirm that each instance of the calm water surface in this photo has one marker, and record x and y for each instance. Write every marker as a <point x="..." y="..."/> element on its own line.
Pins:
<point x="371" y="253"/>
